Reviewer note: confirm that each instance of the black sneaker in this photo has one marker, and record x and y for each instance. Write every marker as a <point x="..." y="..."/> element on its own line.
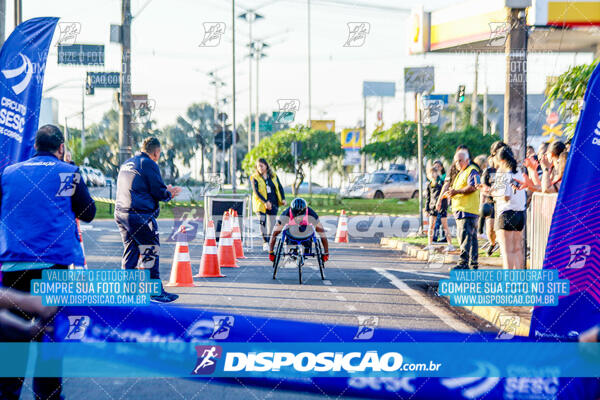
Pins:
<point x="492" y="249"/>
<point x="164" y="297"/>
<point x="459" y="267"/>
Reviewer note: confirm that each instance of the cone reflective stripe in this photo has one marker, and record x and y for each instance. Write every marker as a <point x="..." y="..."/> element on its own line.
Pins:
<point x="237" y="236"/>
<point x="209" y="266"/>
<point x="341" y="235"/>
<point x="181" y="271"/>
<point x="226" y="251"/>
<point x="80" y="237"/>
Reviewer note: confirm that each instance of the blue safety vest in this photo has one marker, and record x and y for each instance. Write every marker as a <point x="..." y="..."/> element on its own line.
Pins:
<point x="37" y="223"/>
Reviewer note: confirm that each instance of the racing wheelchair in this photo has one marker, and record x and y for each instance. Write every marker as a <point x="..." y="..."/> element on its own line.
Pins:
<point x="297" y="243"/>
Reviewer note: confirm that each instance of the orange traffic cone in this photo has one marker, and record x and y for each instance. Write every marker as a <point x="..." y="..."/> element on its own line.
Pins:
<point x="80" y="237"/>
<point x="236" y="235"/>
<point x="209" y="266"/>
<point x="341" y="236"/>
<point x="226" y="250"/>
<point x="181" y="271"/>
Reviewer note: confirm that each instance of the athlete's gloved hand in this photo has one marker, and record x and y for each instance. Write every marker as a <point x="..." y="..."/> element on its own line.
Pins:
<point x="325" y="257"/>
<point x="271" y="256"/>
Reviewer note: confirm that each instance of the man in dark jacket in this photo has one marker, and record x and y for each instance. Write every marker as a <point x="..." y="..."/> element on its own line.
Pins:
<point x="40" y="201"/>
<point x="140" y="188"/>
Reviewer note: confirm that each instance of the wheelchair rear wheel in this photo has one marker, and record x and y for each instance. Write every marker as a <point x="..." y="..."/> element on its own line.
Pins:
<point x="319" y="251"/>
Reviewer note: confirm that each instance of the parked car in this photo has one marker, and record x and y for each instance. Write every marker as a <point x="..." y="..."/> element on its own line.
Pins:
<point x="383" y="184"/>
<point x="316" y="189"/>
<point x="88" y="176"/>
<point x="99" y="177"/>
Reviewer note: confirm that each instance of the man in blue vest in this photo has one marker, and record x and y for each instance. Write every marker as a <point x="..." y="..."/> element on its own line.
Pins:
<point x="40" y="200"/>
<point x="140" y="188"/>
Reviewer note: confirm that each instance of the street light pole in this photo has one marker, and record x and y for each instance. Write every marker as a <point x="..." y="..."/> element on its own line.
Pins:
<point x="309" y="69"/>
<point x="420" y="161"/>
<point x="83" y="119"/>
<point x="233" y="127"/>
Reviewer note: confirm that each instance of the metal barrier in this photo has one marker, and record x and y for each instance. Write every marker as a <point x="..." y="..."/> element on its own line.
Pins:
<point x="539" y="219"/>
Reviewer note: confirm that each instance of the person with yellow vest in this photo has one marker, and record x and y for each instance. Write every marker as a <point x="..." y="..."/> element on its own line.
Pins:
<point x="267" y="196"/>
<point x="464" y="193"/>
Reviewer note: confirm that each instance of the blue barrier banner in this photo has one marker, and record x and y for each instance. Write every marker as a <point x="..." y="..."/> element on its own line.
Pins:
<point x="574" y="241"/>
<point x="22" y="66"/>
<point x="310" y="360"/>
<point x="159" y="340"/>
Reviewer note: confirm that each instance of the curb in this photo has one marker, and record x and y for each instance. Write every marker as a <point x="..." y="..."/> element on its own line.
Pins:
<point x="489" y="313"/>
<point x="416" y="252"/>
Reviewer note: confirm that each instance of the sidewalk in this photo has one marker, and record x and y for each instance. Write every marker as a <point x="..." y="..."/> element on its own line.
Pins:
<point x="518" y="318"/>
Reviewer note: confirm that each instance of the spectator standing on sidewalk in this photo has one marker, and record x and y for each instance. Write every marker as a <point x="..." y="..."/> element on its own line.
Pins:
<point x="434" y="187"/>
<point x="510" y="200"/>
<point x="267" y="196"/>
<point x="140" y="188"/>
<point x="438" y="233"/>
<point x="40" y="200"/>
<point x="465" y="205"/>
<point x="486" y="217"/>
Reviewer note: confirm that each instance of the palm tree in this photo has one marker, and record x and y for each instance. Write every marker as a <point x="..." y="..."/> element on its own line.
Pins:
<point x="198" y="123"/>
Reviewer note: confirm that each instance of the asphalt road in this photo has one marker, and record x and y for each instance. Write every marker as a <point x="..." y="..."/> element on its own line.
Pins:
<point x="361" y="280"/>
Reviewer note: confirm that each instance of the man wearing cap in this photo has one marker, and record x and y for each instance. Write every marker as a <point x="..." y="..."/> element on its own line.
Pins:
<point x="140" y="188"/>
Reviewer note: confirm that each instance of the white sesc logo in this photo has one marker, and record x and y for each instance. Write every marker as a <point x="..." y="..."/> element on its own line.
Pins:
<point x="476" y="384"/>
<point x="26" y="68"/>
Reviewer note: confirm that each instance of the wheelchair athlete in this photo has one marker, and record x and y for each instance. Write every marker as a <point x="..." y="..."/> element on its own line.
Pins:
<point x="299" y="217"/>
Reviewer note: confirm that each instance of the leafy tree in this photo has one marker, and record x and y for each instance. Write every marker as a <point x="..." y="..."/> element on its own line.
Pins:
<point x="400" y="141"/>
<point x="316" y="146"/>
<point x="568" y="92"/>
<point x="472" y="137"/>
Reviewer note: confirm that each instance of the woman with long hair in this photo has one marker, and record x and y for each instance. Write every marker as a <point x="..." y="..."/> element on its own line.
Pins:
<point x="434" y="187"/>
<point x="510" y="202"/>
<point x="267" y="196"/>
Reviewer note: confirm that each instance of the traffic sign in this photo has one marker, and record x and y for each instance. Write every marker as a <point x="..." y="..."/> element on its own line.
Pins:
<point x="81" y="54"/>
<point x="352" y="138"/>
<point x="103" y="80"/>
<point x="441" y="97"/>
<point x="419" y="79"/>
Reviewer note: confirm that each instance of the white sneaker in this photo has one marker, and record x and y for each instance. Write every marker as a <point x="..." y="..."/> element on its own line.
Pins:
<point x="428" y="248"/>
<point x="265" y="246"/>
<point x="449" y="248"/>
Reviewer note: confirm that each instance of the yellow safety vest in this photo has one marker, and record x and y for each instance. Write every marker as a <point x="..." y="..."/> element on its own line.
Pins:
<point x="465" y="202"/>
<point x="257" y="204"/>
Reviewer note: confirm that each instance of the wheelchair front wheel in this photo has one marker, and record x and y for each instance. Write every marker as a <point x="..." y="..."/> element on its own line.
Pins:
<point x="278" y="254"/>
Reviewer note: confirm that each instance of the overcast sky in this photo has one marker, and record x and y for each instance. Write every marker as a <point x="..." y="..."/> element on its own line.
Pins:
<point x="171" y="67"/>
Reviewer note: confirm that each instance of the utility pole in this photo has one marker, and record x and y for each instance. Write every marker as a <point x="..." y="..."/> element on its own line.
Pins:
<point x="257" y="51"/>
<point x="485" y="110"/>
<point x="18" y="12"/>
<point x="126" y="100"/>
<point x="309" y="69"/>
<point x="474" y="96"/>
<point x="233" y="127"/>
<point x="2" y="21"/>
<point x="250" y="16"/>
<point x="82" y="119"/>
<point x="217" y="83"/>
<point x="363" y="157"/>
<point x="420" y="160"/>
<point x="515" y="99"/>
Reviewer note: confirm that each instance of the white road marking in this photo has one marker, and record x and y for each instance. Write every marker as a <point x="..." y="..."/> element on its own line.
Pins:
<point x="340" y="298"/>
<point x="418" y="272"/>
<point x="332" y="290"/>
<point x="420" y="298"/>
<point x="351" y="308"/>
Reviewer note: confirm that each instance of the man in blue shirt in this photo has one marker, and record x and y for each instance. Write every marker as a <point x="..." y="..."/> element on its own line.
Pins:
<point x="140" y="188"/>
<point x="40" y="199"/>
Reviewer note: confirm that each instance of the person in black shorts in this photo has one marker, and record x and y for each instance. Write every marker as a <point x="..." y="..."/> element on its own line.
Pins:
<point x="434" y="188"/>
<point x="486" y="217"/>
<point x="298" y="217"/>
